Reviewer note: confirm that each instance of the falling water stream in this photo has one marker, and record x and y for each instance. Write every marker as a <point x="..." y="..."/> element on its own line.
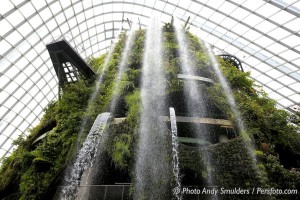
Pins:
<point x="175" y="153"/>
<point x="122" y="68"/>
<point x="152" y="168"/>
<point x="194" y="99"/>
<point x="226" y="88"/>
<point x="229" y="95"/>
<point x="99" y="81"/>
<point x="85" y="156"/>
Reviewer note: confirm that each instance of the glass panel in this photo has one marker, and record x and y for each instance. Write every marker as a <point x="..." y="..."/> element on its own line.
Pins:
<point x="251" y="35"/>
<point x="25" y="111"/>
<point x="292" y="40"/>
<point x="3" y="109"/>
<point x="282" y="17"/>
<point x="35" y="21"/>
<point x="264" y="41"/>
<point x="5" y="26"/>
<point x="168" y="8"/>
<point x="82" y="27"/>
<point x="14" y="38"/>
<point x="286" y="80"/>
<point x="27" y="84"/>
<point x="78" y="7"/>
<point x="6" y="6"/>
<point x="263" y="79"/>
<point x="65" y="3"/>
<point x="160" y="5"/>
<point x="279" y="33"/>
<point x="13" y="55"/>
<point x="19" y="93"/>
<point x="4" y="46"/>
<point x="21" y="78"/>
<point x="80" y="18"/>
<point x="64" y="28"/>
<point x="240" y="29"/>
<point x="294" y="25"/>
<point x="8" y="143"/>
<point x="296" y="75"/>
<point x="252" y="20"/>
<point x="285" y="91"/>
<point x="4" y="80"/>
<point x="12" y="72"/>
<point x="43" y="31"/>
<point x="55" y="8"/>
<point x="213" y="3"/>
<point x="31" y="55"/>
<point x="2" y="152"/>
<point x="69" y="12"/>
<point x="51" y="25"/>
<point x="24" y="125"/>
<point x="289" y="55"/>
<point x="38" y="3"/>
<point x="277" y="48"/>
<point x="295" y="97"/>
<point x="285" y="102"/>
<point x="217" y="17"/>
<point x="265" y="26"/>
<point x="25" y="29"/>
<point x="253" y="4"/>
<point x="239" y="13"/>
<point x="275" y="96"/>
<point x="10" y="102"/>
<point x="15" y="18"/>
<point x="267" y="10"/>
<point x="45" y="14"/>
<point x="227" y="7"/>
<point x="60" y="18"/>
<point x="275" y="73"/>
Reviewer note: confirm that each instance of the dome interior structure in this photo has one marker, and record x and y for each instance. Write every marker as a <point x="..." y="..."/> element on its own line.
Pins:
<point x="263" y="34"/>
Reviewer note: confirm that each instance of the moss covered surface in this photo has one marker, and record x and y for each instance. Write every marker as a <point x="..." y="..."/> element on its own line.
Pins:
<point x="34" y="170"/>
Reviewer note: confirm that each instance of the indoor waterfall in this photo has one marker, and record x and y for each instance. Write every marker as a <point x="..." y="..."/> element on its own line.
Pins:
<point x="122" y="69"/>
<point x="155" y="100"/>
<point x="230" y="98"/>
<point x="175" y="153"/>
<point x="196" y="105"/>
<point x="152" y="172"/>
<point x="85" y="157"/>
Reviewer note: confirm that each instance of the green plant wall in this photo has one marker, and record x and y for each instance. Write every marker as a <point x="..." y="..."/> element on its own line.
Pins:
<point x="34" y="170"/>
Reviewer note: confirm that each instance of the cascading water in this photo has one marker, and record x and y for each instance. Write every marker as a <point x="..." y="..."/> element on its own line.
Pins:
<point x="229" y="95"/>
<point x="152" y="168"/>
<point x="226" y="88"/>
<point x="85" y="157"/>
<point x="194" y="99"/>
<point x="98" y="84"/>
<point x="122" y="69"/>
<point x="176" y="169"/>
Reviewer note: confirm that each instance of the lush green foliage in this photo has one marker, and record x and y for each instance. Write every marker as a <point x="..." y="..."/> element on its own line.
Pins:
<point x="35" y="168"/>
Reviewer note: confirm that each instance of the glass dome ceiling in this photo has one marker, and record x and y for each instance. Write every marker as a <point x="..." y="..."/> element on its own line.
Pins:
<point x="263" y="34"/>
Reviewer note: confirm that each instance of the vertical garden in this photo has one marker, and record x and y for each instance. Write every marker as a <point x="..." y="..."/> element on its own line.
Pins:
<point x="37" y="167"/>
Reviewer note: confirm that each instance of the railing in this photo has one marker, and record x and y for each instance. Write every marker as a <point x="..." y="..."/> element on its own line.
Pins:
<point x="101" y="192"/>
